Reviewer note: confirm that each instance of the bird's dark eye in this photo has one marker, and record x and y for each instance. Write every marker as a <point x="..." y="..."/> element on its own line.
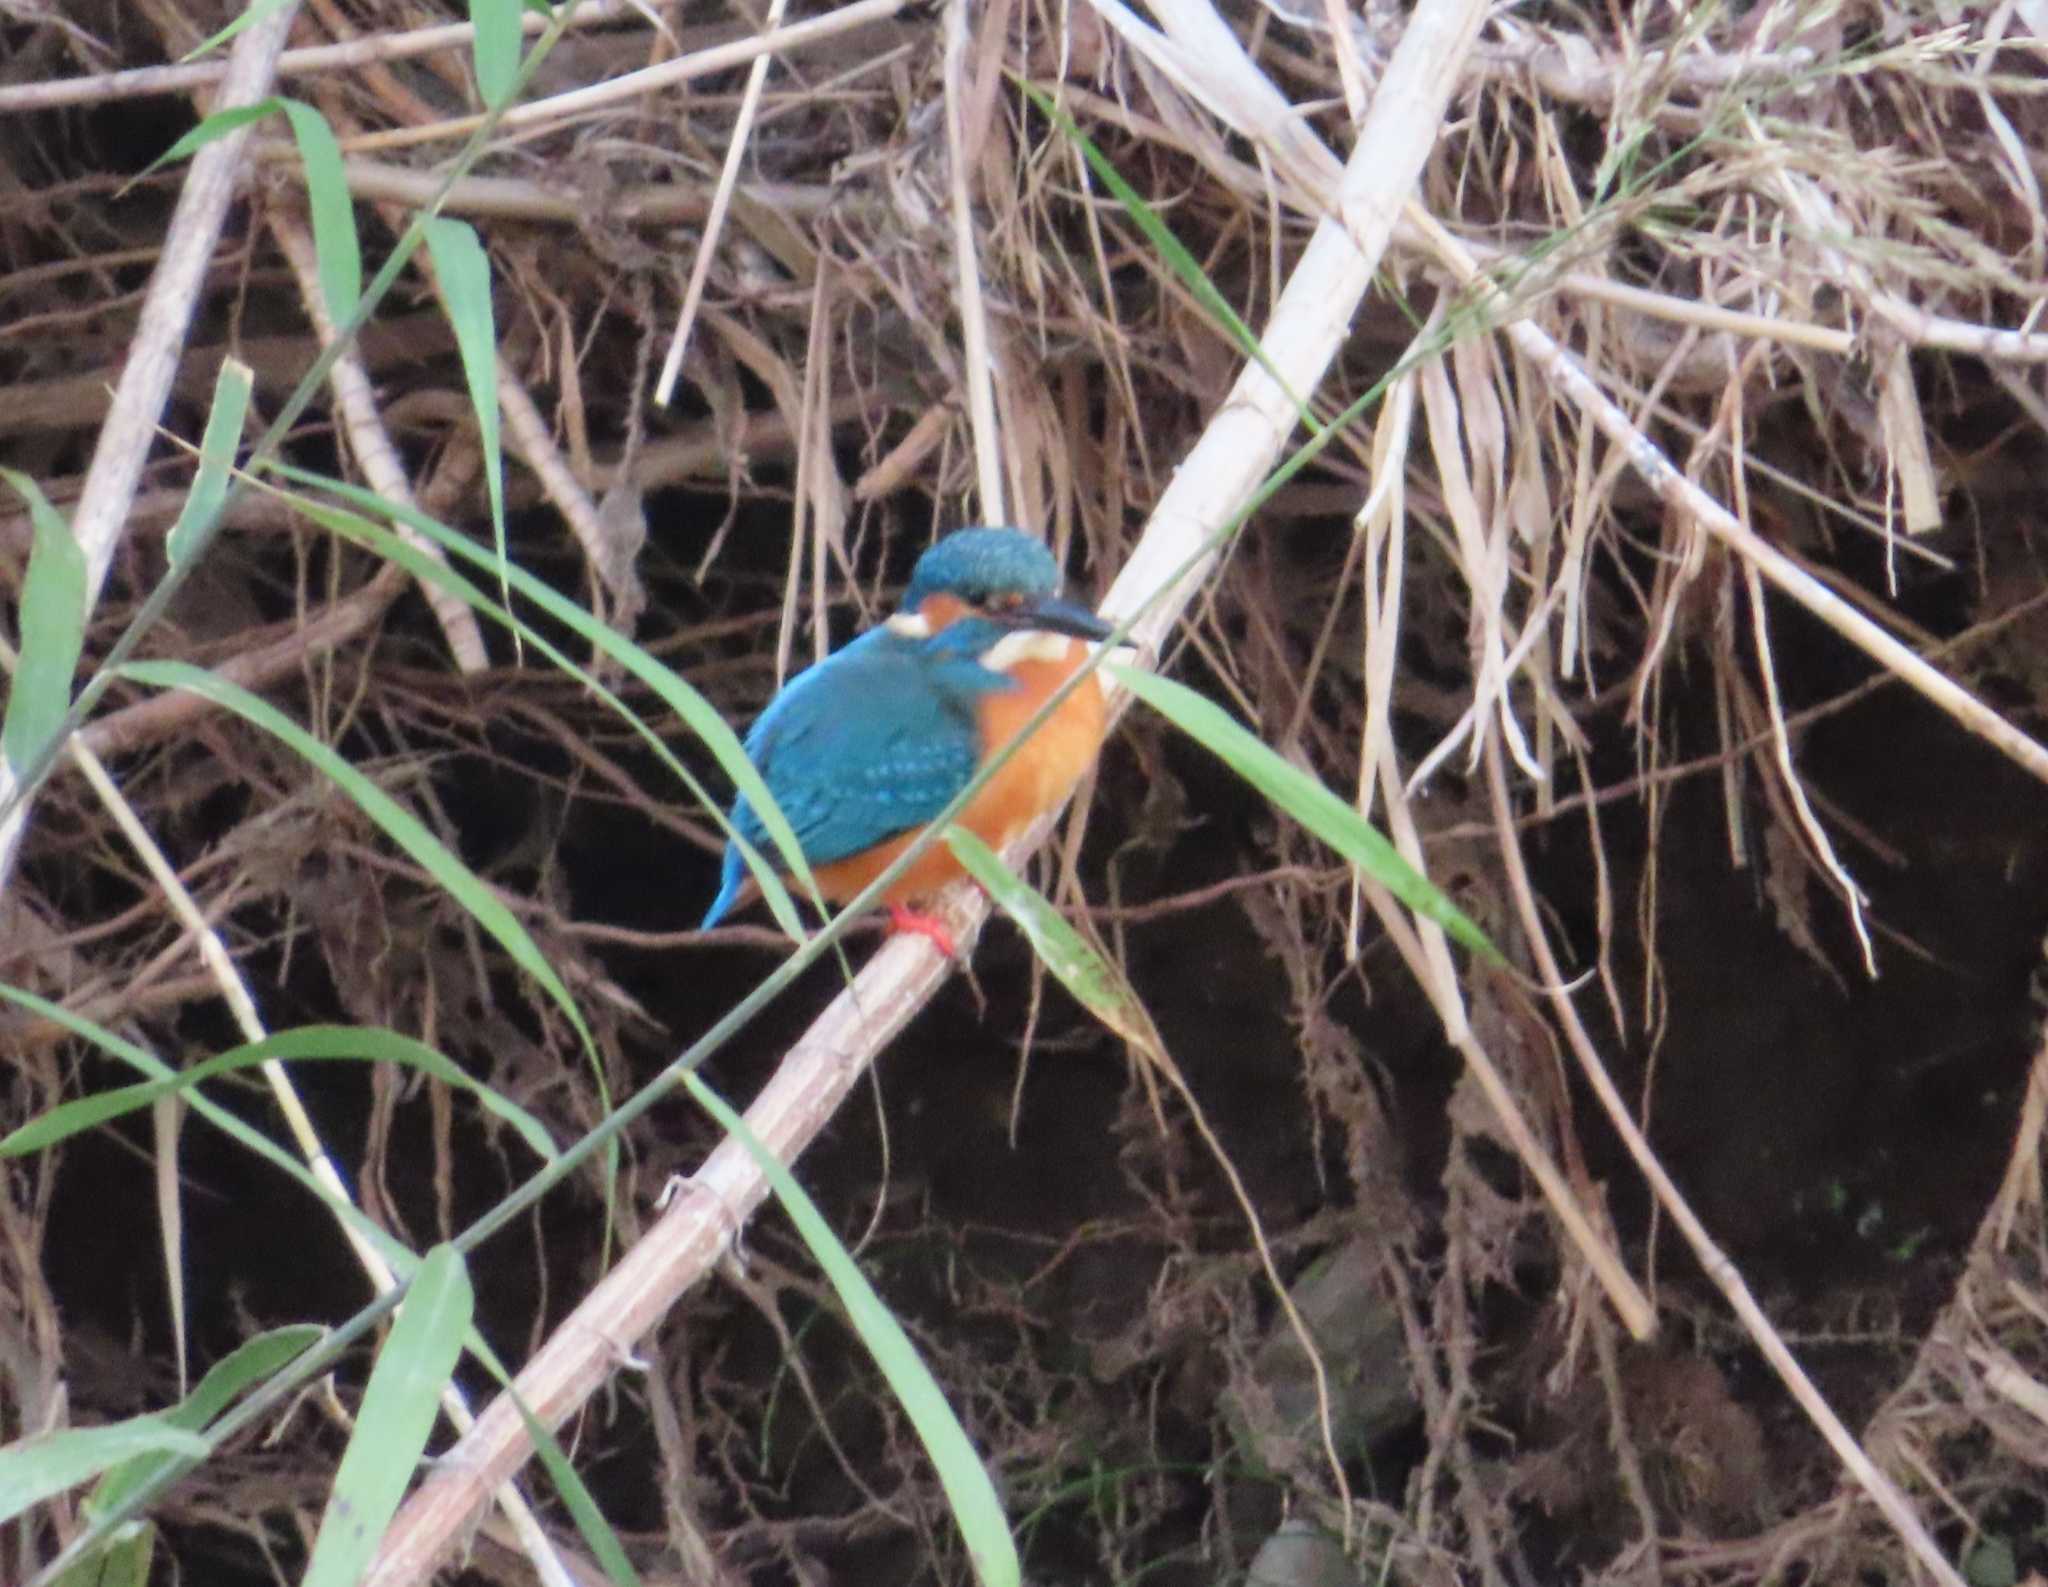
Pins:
<point x="974" y="595"/>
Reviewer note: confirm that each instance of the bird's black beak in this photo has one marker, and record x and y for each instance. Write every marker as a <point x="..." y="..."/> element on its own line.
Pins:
<point x="1057" y="616"/>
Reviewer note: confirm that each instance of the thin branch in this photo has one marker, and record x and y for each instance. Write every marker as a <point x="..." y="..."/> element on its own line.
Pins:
<point x="371" y="443"/>
<point x="977" y="351"/>
<point x="669" y="74"/>
<point x="148" y="81"/>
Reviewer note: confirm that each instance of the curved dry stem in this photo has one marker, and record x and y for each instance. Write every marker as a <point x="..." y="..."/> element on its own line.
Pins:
<point x="371" y="443"/>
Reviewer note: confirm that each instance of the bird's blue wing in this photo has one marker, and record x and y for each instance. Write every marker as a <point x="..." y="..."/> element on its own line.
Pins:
<point x="871" y="742"/>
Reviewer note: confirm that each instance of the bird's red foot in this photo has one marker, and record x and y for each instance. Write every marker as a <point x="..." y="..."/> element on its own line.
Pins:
<point x="903" y="918"/>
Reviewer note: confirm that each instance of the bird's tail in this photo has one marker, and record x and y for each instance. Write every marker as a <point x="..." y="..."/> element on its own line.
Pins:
<point x="734" y="878"/>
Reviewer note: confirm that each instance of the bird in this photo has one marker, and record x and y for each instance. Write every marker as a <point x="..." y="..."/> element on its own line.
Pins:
<point x="864" y="749"/>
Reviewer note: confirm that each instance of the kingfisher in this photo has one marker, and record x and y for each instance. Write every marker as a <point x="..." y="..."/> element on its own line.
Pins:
<point x="862" y="750"/>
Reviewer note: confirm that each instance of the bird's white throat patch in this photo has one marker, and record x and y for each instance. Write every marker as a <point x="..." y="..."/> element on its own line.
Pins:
<point x="1027" y="644"/>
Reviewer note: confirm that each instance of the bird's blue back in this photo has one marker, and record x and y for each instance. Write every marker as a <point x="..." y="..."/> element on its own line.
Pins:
<point x="872" y="741"/>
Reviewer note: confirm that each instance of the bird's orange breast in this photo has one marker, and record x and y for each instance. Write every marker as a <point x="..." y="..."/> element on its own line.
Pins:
<point x="1035" y="779"/>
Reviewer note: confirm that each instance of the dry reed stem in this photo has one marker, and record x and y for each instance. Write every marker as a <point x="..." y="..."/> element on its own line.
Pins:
<point x="528" y="435"/>
<point x="976" y="350"/>
<point x="371" y="443"/>
<point x="2006" y="1378"/>
<point x="714" y="221"/>
<point x="2020" y="1188"/>
<point x="516" y="198"/>
<point x="679" y="1250"/>
<point x="812" y="1079"/>
<point x="149" y="81"/>
<point x="1781" y="749"/>
<point x="821" y="495"/>
<point x="1428" y="957"/>
<point x="1197" y="42"/>
<point x="632" y="85"/>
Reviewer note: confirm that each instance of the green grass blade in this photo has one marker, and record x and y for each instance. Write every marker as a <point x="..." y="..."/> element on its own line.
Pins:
<point x="397" y="1415"/>
<point x="1294" y="791"/>
<point x="399" y="824"/>
<point x="212" y="130"/>
<point x="255" y="12"/>
<point x="464" y="270"/>
<point x="254" y="1140"/>
<point x="334" y="212"/>
<point x="496" y="47"/>
<point x="217" y="450"/>
<point x="53" y="601"/>
<point x="1174" y="253"/>
<point x="596" y="1531"/>
<point x="1059" y="947"/>
<point x="38" y="1468"/>
<point x="124" y="1560"/>
<point x="247" y="1365"/>
<point x="697" y="713"/>
<point x="309" y="1042"/>
<point x="968" y="1489"/>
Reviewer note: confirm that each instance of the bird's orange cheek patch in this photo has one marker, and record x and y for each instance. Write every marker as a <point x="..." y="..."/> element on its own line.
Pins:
<point x="941" y="611"/>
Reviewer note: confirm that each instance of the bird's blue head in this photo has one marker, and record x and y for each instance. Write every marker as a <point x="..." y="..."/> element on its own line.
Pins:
<point x="999" y="577"/>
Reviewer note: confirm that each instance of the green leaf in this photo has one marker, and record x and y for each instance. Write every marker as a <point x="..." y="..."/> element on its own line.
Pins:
<point x="496" y="50"/>
<point x="1060" y="948"/>
<point x="310" y="1042"/>
<point x="35" y="1469"/>
<point x="212" y="130"/>
<point x="123" y="1560"/>
<point x="249" y="1364"/>
<point x="966" y="1481"/>
<point x="1176" y="254"/>
<point x="697" y="713"/>
<point x="53" y="603"/>
<point x="604" y="1543"/>
<point x="597" y="1532"/>
<point x="397" y="1415"/>
<point x="334" y="213"/>
<point x="255" y="12"/>
<point x="399" y="824"/>
<point x="1294" y="791"/>
<point x="401" y="1259"/>
<point x="217" y="450"/>
<point x="1992" y="1563"/>
<point x="464" y="270"/>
